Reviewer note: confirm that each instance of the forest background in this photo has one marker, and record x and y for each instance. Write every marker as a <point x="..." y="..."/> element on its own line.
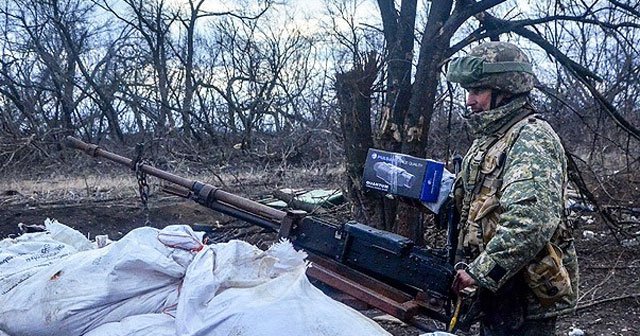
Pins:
<point x="288" y="83"/>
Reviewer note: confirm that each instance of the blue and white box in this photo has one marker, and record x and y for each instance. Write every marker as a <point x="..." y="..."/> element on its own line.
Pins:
<point x="403" y="175"/>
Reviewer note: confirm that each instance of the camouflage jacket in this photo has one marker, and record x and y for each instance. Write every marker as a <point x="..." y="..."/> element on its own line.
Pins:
<point x="513" y="182"/>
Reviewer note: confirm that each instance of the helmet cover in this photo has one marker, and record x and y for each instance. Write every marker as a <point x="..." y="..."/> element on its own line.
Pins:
<point x="496" y="65"/>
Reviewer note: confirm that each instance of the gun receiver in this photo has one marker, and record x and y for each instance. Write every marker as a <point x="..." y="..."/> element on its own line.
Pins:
<point x="380" y="268"/>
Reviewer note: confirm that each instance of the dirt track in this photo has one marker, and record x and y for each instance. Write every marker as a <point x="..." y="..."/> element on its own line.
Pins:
<point x="610" y="274"/>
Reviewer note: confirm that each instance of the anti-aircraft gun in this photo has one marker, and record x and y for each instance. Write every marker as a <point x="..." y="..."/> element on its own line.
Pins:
<point x="382" y="269"/>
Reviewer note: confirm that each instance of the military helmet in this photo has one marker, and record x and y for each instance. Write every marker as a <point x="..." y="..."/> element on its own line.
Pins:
<point x="497" y="65"/>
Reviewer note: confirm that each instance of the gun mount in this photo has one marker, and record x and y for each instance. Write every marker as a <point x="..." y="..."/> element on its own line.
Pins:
<point x="377" y="267"/>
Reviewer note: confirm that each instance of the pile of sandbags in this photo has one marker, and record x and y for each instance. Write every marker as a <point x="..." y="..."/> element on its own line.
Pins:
<point x="162" y="282"/>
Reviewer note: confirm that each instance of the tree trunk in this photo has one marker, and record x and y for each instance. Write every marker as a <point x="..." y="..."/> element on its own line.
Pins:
<point x="399" y="36"/>
<point x="353" y="90"/>
<point x="418" y="120"/>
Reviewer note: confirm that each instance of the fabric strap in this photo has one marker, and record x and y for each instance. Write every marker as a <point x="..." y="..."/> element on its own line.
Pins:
<point x="506" y="67"/>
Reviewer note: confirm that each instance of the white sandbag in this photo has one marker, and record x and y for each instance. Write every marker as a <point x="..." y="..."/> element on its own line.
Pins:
<point x="26" y="255"/>
<point x="67" y="235"/>
<point x="23" y="256"/>
<point x="227" y="289"/>
<point x="286" y="305"/>
<point x="138" y="325"/>
<point x="237" y="289"/>
<point x="135" y="275"/>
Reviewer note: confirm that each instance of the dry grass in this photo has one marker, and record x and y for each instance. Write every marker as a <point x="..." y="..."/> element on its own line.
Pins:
<point x="120" y="184"/>
<point x="66" y="189"/>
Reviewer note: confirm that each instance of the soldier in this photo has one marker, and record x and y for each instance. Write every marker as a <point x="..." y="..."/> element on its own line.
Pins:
<point x="515" y="243"/>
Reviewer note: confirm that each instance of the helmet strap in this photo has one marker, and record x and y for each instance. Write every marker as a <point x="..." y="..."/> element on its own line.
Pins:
<point x="505" y="99"/>
<point x="494" y="98"/>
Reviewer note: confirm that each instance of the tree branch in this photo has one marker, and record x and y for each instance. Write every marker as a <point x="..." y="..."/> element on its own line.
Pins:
<point x="463" y="11"/>
<point x="580" y="72"/>
<point x="519" y="28"/>
<point x="617" y="298"/>
<point x="626" y="7"/>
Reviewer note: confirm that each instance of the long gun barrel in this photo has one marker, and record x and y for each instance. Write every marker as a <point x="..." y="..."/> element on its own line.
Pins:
<point x="217" y="199"/>
<point x="380" y="268"/>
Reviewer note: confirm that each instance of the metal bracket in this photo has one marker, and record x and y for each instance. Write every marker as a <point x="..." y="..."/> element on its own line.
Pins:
<point x="290" y="220"/>
<point x="391" y="300"/>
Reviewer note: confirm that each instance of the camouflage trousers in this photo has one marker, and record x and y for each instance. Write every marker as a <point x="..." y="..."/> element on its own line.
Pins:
<point x="542" y="327"/>
<point x="503" y="312"/>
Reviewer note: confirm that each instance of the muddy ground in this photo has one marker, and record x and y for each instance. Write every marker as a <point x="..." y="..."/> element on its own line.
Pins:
<point x="609" y="279"/>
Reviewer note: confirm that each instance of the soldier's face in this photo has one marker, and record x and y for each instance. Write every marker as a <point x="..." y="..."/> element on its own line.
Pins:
<point x="479" y="99"/>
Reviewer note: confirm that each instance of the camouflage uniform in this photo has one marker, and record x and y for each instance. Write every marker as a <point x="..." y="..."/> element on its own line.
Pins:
<point x="511" y="192"/>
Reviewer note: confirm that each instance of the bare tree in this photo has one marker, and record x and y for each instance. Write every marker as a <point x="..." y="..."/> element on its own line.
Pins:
<point x="48" y="61"/>
<point x="260" y="73"/>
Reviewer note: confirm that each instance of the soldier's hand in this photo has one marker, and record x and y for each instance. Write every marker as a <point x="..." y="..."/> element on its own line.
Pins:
<point x="461" y="280"/>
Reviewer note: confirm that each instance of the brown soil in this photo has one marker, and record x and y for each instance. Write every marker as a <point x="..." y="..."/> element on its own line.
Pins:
<point x="609" y="272"/>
